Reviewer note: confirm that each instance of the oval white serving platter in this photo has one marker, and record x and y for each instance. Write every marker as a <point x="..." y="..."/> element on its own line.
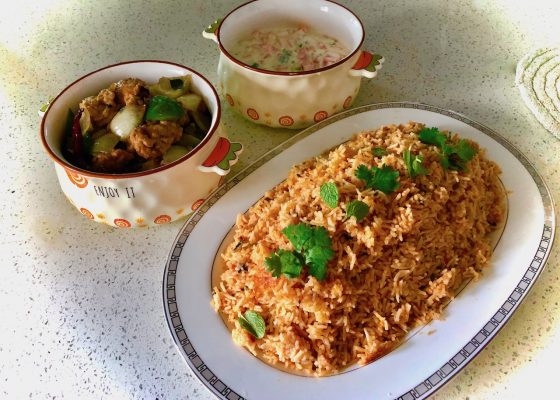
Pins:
<point x="432" y="354"/>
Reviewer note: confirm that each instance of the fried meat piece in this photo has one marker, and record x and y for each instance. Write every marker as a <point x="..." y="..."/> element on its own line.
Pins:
<point x="113" y="162"/>
<point x="101" y="108"/>
<point x="131" y="91"/>
<point x="153" y="139"/>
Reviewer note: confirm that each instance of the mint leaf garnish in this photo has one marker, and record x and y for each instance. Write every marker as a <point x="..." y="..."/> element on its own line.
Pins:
<point x="357" y="209"/>
<point x="253" y="323"/>
<point x="329" y="194"/>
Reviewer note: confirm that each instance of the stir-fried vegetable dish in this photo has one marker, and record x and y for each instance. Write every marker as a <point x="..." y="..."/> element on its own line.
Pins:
<point x="132" y="126"/>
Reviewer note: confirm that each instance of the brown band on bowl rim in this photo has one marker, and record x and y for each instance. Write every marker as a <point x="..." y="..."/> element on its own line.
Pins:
<point x="264" y="71"/>
<point x="92" y="174"/>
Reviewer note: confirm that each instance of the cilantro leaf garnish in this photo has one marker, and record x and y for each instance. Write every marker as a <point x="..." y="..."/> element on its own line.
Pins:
<point x="284" y="262"/>
<point x="432" y="136"/>
<point x="317" y="259"/>
<point x="298" y="235"/>
<point x="357" y="209"/>
<point x="253" y="323"/>
<point x="449" y="160"/>
<point x="413" y="164"/>
<point x="383" y="179"/>
<point x="364" y="173"/>
<point x="313" y="249"/>
<point x="305" y="237"/>
<point x="464" y="150"/>
<point x="454" y="157"/>
<point x="329" y="194"/>
<point x="378" y="151"/>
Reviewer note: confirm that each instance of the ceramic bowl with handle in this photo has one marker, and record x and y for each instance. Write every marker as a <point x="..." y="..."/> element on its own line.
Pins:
<point x="146" y="198"/>
<point x="292" y="99"/>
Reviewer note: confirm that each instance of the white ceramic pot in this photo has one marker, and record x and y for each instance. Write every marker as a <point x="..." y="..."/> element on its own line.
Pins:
<point x="292" y="99"/>
<point x="152" y="197"/>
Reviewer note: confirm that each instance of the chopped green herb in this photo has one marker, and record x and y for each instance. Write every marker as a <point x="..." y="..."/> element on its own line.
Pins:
<point x="454" y="157"/>
<point x="445" y="163"/>
<point x="316" y="259"/>
<point x="464" y="150"/>
<point x="413" y="164"/>
<point x="357" y="209"/>
<point x="284" y="262"/>
<point x="365" y="174"/>
<point x="432" y="136"/>
<point x="253" y="323"/>
<point x="284" y="56"/>
<point x="329" y="194"/>
<point x="378" y="151"/>
<point x="298" y="235"/>
<point x="255" y="65"/>
<point x="305" y="237"/>
<point x="313" y="248"/>
<point x="383" y="179"/>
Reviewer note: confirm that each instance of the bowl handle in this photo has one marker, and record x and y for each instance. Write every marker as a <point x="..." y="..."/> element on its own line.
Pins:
<point x="44" y="107"/>
<point x="367" y="65"/>
<point x="223" y="156"/>
<point x="210" y="31"/>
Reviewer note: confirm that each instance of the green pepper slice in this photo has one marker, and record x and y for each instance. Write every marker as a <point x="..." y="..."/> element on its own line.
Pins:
<point x="163" y="108"/>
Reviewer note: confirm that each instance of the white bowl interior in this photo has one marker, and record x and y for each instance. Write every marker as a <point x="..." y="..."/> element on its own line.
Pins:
<point x="320" y="15"/>
<point x="149" y="71"/>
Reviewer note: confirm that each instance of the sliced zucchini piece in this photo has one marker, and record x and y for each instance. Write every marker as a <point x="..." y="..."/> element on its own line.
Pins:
<point x="173" y="154"/>
<point x="150" y="164"/>
<point x="202" y="120"/>
<point x="105" y="143"/>
<point x="190" y="129"/>
<point x="190" y="101"/>
<point x="189" y="140"/>
<point x="171" y="87"/>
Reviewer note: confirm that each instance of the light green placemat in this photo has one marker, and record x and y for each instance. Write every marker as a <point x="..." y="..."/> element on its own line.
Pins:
<point x="538" y="80"/>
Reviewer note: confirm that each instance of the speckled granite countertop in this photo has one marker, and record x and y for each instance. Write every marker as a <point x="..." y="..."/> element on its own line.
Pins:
<point x="81" y="313"/>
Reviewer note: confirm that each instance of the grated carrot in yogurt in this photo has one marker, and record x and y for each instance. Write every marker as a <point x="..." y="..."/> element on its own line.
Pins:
<point x="288" y="49"/>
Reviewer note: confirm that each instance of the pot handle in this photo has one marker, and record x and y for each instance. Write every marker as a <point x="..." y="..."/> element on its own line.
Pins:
<point x="223" y="156"/>
<point x="367" y="65"/>
<point x="210" y="31"/>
